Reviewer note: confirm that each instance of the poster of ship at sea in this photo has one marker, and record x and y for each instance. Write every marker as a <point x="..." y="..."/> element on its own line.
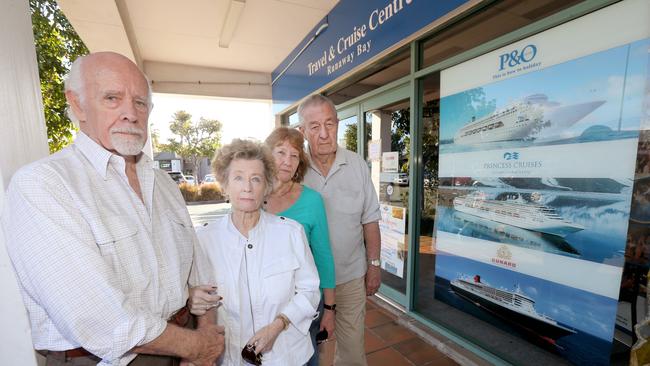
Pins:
<point x="568" y="321"/>
<point x="536" y="165"/>
<point x="581" y="219"/>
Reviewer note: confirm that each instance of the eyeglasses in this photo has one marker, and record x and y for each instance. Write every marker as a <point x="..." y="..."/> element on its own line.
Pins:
<point x="249" y="355"/>
<point x="321" y="336"/>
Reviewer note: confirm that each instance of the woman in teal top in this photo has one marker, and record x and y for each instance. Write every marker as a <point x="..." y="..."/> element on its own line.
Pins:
<point x="309" y="210"/>
<point x="293" y="200"/>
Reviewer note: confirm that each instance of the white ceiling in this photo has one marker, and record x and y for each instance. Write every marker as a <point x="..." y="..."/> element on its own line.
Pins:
<point x="177" y="42"/>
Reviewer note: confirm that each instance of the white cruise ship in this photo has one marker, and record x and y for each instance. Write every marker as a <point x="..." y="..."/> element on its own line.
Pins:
<point x="517" y="212"/>
<point x="470" y="225"/>
<point x="512" y="306"/>
<point x="522" y="120"/>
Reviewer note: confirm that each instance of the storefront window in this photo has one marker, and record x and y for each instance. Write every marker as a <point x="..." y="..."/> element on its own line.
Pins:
<point x="380" y="74"/>
<point x="388" y="155"/>
<point x="522" y="249"/>
<point x="469" y="322"/>
<point x="430" y="140"/>
<point x="497" y="20"/>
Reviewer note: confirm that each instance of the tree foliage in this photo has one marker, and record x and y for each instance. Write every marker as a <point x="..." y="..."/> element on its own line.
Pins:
<point x="155" y="139"/>
<point x="400" y="137"/>
<point x="350" y="135"/>
<point x="196" y="140"/>
<point x="57" y="45"/>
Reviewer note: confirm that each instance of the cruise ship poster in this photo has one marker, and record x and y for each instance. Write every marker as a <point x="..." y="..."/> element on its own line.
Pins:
<point x="568" y="321"/>
<point x="593" y="98"/>
<point x="581" y="219"/>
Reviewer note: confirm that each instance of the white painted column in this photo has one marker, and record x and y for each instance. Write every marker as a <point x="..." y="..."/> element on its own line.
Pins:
<point x="23" y="139"/>
<point x="380" y="123"/>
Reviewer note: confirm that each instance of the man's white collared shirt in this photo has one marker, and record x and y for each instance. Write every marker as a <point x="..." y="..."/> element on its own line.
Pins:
<point x="98" y="268"/>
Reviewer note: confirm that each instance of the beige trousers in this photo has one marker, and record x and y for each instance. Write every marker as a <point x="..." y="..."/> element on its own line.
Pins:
<point x="350" y="323"/>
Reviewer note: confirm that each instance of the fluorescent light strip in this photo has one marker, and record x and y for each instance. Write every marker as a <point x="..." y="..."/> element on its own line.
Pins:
<point x="235" y="9"/>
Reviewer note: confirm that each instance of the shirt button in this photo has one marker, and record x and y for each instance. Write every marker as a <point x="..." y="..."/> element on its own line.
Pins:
<point x="250" y="246"/>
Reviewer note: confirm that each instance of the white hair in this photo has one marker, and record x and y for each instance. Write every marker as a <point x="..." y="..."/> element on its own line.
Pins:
<point x="313" y="100"/>
<point x="74" y="82"/>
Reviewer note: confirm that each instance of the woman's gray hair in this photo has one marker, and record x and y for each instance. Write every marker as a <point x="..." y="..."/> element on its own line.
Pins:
<point x="74" y="82"/>
<point x="247" y="150"/>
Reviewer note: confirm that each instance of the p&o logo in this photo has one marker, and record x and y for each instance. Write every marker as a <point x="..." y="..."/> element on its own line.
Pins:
<point x="511" y="155"/>
<point x="516" y="57"/>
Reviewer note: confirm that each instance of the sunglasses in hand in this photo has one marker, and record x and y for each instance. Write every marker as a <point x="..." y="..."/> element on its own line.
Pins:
<point x="249" y="355"/>
<point x="321" y="336"/>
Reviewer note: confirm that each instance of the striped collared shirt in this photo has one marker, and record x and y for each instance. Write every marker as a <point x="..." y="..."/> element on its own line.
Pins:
<point x="98" y="267"/>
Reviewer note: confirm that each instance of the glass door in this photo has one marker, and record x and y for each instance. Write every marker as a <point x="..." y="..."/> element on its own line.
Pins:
<point x="386" y="141"/>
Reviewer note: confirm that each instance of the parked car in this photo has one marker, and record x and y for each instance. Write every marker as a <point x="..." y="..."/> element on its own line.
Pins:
<point x="178" y="177"/>
<point x="401" y="179"/>
<point x="190" y="179"/>
<point x="209" y="178"/>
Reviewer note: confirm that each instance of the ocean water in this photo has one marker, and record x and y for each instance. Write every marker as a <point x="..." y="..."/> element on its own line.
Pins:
<point x="579" y="349"/>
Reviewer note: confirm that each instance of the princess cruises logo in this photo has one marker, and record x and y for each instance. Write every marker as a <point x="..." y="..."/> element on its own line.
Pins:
<point x="511" y="155"/>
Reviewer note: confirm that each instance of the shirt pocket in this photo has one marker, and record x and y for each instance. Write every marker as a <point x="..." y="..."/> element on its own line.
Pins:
<point x="110" y="232"/>
<point x="115" y="237"/>
<point x="181" y="233"/>
<point x="348" y="201"/>
<point x="278" y="277"/>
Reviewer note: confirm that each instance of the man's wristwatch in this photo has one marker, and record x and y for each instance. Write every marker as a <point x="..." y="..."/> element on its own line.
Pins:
<point x="330" y="307"/>
<point x="374" y="262"/>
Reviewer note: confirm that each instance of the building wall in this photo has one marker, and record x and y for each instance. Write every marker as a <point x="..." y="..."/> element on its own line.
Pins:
<point x="23" y="140"/>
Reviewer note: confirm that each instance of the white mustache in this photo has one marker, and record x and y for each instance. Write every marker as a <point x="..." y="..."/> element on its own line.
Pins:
<point x="129" y="130"/>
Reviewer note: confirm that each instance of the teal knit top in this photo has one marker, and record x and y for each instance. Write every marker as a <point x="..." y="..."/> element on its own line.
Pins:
<point x="309" y="211"/>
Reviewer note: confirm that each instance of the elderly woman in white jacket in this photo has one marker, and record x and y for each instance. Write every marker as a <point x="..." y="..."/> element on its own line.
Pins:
<point x="259" y="266"/>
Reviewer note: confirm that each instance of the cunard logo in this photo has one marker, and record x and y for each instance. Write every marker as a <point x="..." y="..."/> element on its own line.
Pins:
<point x="504" y="257"/>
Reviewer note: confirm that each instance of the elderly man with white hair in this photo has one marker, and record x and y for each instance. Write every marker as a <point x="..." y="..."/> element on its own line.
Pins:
<point x="343" y="179"/>
<point x="101" y="242"/>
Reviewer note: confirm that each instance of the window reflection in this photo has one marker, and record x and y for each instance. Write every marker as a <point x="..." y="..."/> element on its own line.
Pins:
<point x="347" y="133"/>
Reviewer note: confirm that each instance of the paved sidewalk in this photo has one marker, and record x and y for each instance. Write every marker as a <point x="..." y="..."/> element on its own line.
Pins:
<point x="390" y="343"/>
<point x="201" y="214"/>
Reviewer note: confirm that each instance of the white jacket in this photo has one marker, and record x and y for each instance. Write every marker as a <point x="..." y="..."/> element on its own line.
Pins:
<point x="276" y="262"/>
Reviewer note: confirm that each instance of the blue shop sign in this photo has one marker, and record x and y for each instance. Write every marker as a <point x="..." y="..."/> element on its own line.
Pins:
<point x="353" y="32"/>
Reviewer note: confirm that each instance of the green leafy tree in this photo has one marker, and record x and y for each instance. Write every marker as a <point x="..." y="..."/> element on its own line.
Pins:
<point x="57" y="45"/>
<point x="400" y="137"/>
<point x="431" y="142"/>
<point x="195" y="140"/>
<point x="155" y="139"/>
<point x="350" y="135"/>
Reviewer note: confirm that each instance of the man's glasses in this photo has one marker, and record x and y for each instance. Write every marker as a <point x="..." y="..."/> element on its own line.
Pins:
<point x="249" y="355"/>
